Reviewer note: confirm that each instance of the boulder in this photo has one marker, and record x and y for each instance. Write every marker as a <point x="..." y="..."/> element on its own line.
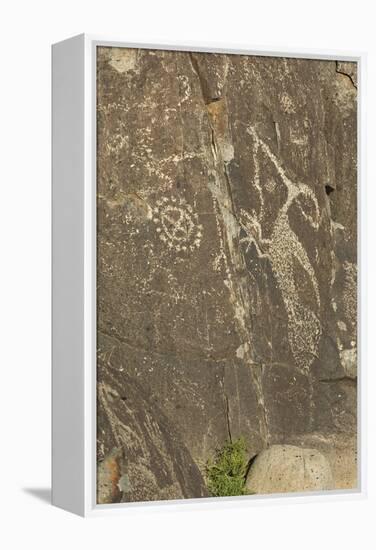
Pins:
<point x="288" y="469"/>
<point x="340" y="450"/>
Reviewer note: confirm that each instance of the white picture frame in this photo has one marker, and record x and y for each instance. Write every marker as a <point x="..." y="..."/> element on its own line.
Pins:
<point x="74" y="277"/>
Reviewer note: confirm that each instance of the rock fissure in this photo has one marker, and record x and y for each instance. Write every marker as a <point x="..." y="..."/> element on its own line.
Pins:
<point x="222" y="192"/>
<point x="348" y="75"/>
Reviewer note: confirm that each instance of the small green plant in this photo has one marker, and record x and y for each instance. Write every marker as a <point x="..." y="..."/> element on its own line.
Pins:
<point x="227" y="470"/>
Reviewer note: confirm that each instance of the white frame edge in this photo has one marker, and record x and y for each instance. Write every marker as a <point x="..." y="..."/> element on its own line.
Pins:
<point x="74" y="272"/>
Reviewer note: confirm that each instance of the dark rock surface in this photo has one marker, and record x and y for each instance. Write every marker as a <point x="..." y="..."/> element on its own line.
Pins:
<point x="226" y="276"/>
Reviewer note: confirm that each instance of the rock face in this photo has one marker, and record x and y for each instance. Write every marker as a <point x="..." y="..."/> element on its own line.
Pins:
<point x="140" y="455"/>
<point x="226" y="272"/>
<point x="286" y="469"/>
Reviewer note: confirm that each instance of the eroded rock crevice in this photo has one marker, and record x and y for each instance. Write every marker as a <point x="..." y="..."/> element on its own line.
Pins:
<point x="349" y="70"/>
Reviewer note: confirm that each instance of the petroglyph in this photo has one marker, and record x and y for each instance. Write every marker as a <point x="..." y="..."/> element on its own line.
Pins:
<point x="116" y="142"/>
<point x="349" y="292"/>
<point x="226" y="265"/>
<point x="287" y="104"/>
<point x="185" y="88"/>
<point x="177" y="224"/>
<point x="284" y="249"/>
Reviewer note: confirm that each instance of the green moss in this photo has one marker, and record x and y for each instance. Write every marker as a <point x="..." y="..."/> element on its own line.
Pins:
<point x="227" y="470"/>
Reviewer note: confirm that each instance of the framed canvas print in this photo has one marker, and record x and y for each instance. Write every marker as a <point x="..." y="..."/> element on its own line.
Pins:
<point x="206" y="275"/>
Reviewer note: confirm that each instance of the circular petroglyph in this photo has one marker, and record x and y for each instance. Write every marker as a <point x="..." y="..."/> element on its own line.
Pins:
<point x="177" y="224"/>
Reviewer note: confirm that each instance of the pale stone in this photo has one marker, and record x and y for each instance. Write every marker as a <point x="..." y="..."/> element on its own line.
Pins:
<point x="287" y="469"/>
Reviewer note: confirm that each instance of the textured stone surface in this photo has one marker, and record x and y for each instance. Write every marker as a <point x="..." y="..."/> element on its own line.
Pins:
<point x="226" y="276"/>
<point x="286" y="469"/>
<point x="340" y="450"/>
